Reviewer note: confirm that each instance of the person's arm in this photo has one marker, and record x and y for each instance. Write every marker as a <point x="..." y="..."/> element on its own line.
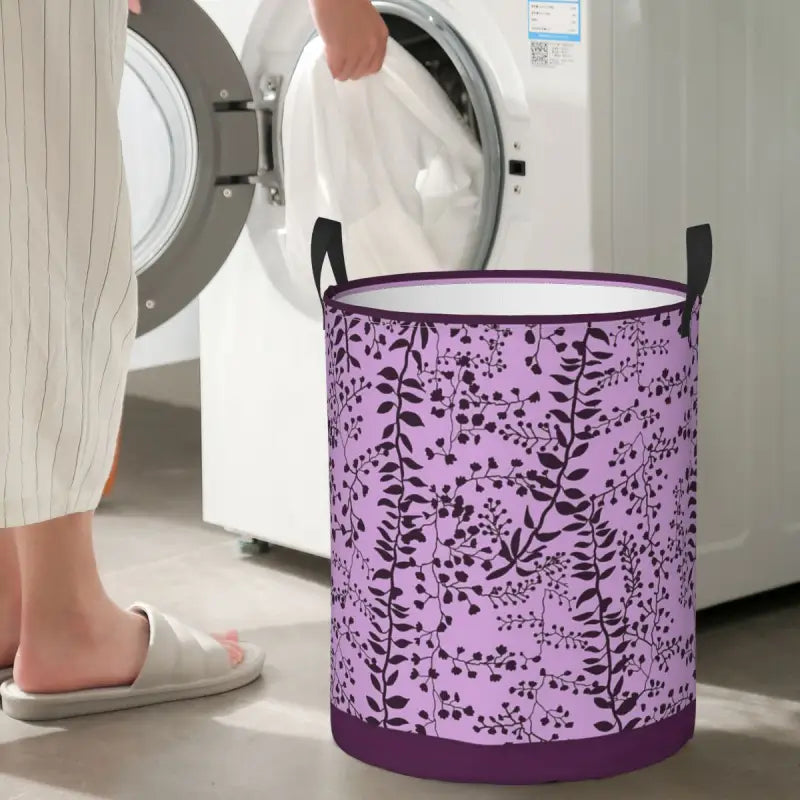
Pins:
<point x="354" y="33"/>
<point x="355" y="36"/>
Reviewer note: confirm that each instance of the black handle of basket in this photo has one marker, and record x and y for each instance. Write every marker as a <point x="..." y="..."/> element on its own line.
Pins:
<point x="326" y="242"/>
<point x="699" y="255"/>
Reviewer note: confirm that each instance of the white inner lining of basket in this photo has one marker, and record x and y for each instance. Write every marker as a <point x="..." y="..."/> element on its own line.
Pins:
<point x="510" y="298"/>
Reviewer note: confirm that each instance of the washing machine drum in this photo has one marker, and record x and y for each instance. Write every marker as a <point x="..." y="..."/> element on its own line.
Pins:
<point x="390" y="158"/>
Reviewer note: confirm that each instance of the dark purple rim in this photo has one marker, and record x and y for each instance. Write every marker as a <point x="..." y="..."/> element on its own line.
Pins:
<point x="514" y="764"/>
<point x="335" y="297"/>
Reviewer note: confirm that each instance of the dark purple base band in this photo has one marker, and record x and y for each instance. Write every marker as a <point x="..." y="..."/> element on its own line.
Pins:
<point x="515" y="764"/>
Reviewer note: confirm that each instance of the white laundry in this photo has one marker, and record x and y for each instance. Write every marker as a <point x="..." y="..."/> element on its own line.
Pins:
<point x="387" y="156"/>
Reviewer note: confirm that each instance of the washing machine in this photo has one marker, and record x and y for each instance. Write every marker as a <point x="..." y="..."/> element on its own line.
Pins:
<point x="607" y="128"/>
<point x="265" y="467"/>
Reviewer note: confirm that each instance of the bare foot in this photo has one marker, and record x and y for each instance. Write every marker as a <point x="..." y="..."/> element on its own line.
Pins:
<point x="108" y="651"/>
<point x="9" y="631"/>
<point x="9" y="600"/>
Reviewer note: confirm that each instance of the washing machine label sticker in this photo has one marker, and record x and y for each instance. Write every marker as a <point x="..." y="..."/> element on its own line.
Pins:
<point x="554" y="20"/>
<point x="554" y="31"/>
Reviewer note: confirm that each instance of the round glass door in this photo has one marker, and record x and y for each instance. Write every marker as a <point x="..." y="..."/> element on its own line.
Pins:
<point x="160" y="148"/>
<point x="435" y="44"/>
<point x="191" y="149"/>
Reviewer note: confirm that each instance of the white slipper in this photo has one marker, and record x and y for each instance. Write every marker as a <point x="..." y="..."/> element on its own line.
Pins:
<point x="181" y="664"/>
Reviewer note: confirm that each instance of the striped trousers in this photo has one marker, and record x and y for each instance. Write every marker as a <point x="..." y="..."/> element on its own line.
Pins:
<point x="67" y="288"/>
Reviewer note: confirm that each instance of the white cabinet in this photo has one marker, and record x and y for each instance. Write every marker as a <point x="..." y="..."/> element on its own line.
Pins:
<point x="703" y="125"/>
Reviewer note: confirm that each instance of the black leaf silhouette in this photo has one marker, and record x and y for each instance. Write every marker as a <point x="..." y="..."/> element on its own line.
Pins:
<point x="550" y="461"/>
<point x="411" y="419"/>
<point x="598" y="333"/>
<point x="626" y="706"/>
<point x="586" y="596"/>
<point x="499" y="573"/>
<point x="578" y="475"/>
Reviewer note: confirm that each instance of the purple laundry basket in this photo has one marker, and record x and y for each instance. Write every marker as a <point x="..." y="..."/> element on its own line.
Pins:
<point x="513" y="483"/>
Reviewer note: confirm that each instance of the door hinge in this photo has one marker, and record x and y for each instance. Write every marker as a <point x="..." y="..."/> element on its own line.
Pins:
<point x="267" y="107"/>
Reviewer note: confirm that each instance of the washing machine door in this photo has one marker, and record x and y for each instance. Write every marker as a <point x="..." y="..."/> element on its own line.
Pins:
<point x="277" y="37"/>
<point x="191" y="146"/>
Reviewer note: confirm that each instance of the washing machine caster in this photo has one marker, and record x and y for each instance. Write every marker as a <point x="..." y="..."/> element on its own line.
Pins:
<point x="254" y="547"/>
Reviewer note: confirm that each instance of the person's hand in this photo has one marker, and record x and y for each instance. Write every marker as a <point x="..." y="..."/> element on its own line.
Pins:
<point x="135" y="6"/>
<point x="355" y="36"/>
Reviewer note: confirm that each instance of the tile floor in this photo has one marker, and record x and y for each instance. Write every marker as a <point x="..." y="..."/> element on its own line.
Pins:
<point x="272" y="740"/>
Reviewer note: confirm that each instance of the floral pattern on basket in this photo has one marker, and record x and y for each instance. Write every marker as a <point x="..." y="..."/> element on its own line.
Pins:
<point x="513" y="516"/>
